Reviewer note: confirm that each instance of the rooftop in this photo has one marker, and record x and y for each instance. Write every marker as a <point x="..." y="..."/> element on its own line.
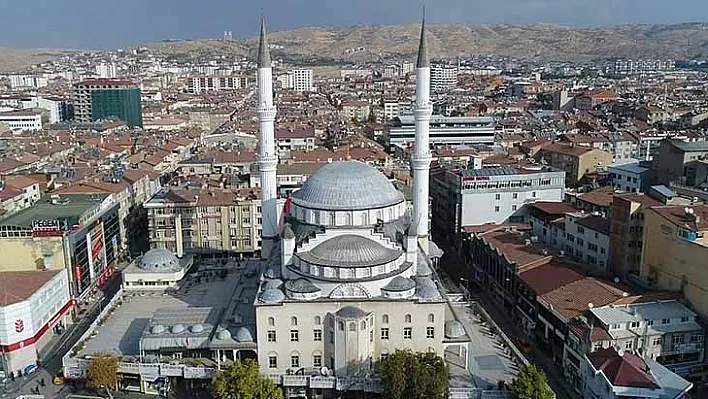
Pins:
<point x="623" y="369"/>
<point x="572" y="300"/>
<point x="595" y="223"/>
<point x="600" y="196"/>
<point x="19" y="286"/>
<point x="70" y="206"/>
<point x="550" y="276"/>
<point x="614" y="314"/>
<point x="697" y="221"/>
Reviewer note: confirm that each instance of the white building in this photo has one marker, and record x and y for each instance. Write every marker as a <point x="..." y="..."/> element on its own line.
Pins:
<point x="106" y="70"/>
<point x="443" y="77"/>
<point x="32" y="305"/>
<point x="629" y="176"/>
<point x="157" y="270"/>
<point x="618" y="374"/>
<point x="27" y="81"/>
<point x="22" y="119"/>
<point x="393" y="109"/>
<point x="444" y="131"/>
<point x="587" y="239"/>
<point x="299" y="80"/>
<point x="490" y="194"/>
<point x="201" y="83"/>
<point x="350" y="280"/>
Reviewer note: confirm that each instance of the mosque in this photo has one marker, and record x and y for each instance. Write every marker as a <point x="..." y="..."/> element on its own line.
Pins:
<point x="349" y="278"/>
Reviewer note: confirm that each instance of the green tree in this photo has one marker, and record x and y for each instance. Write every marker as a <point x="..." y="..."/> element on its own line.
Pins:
<point x="530" y="383"/>
<point x="243" y="381"/>
<point x="406" y="374"/>
<point x="103" y="372"/>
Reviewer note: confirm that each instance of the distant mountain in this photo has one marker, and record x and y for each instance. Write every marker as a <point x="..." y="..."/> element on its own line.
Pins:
<point x="16" y="60"/>
<point x="538" y="42"/>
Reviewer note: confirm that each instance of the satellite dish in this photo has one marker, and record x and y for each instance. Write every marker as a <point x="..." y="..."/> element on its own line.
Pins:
<point x="324" y="371"/>
<point x="616" y="280"/>
<point x="590" y="305"/>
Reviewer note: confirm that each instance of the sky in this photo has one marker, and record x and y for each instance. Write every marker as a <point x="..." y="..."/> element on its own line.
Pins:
<point x="110" y="24"/>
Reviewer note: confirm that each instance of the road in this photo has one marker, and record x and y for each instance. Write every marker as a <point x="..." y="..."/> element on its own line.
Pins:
<point x="51" y="362"/>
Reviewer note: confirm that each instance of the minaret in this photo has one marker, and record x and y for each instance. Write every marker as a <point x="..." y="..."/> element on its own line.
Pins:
<point x="267" y="158"/>
<point x="421" y="157"/>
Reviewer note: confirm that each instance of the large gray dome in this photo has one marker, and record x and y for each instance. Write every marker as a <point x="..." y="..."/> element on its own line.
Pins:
<point x="349" y="250"/>
<point x="349" y="185"/>
<point x="159" y="260"/>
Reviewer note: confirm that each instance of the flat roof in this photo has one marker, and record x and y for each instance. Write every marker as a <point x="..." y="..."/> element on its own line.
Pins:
<point x="19" y="286"/>
<point x="75" y="206"/>
<point x="630" y="167"/>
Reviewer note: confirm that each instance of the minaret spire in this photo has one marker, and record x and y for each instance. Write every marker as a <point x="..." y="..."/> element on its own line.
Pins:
<point x="421" y="158"/>
<point x="263" y="52"/>
<point x="267" y="157"/>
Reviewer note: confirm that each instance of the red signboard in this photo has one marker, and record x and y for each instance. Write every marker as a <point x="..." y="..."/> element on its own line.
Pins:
<point x="19" y="325"/>
<point x="47" y="233"/>
<point x="77" y="272"/>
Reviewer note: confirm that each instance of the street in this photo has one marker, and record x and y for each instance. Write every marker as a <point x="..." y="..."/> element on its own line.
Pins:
<point x="51" y="363"/>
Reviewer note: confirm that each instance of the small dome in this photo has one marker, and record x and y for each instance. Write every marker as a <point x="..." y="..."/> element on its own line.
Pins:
<point x="244" y="335"/>
<point x="159" y="260"/>
<point x="349" y="250"/>
<point x="454" y="329"/>
<point x="224" y="335"/>
<point x="302" y="286"/>
<point x="351" y="312"/>
<point x="426" y="289"/>
<point x="399" y="284"/>
<point x="272" y="284"/>
<point x="271" y="272"/>
<point x="177" y="329"/>
<point x="157" y="329"/>
<point x="350" y="185"/>
<point x="272" y="296"/>
<point x="197" y="328"/>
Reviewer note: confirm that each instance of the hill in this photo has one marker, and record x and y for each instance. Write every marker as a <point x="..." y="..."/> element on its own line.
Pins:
<point x="12" y="60"/>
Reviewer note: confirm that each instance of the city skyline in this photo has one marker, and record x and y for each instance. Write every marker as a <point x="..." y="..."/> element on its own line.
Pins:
<point x="47" y="24"/>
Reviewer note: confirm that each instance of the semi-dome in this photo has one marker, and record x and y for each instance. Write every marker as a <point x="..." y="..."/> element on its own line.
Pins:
<point x="272" y="296"/>
<point x="349" y="250"/>
<point x="177" y="329"/>
<point x="157" y="329"/>
<point x="301" y="285"/>
<point x="159" y="260"/>
<point x="244" y="335"/>
<point x="272" y="284"/>
<point x="271" y="272"/>
<point x="349" y="185"/>
<point x="426" y="288"/>
<point x="197" y="328"/>
<point x="454" y="329"/>
<point x="351" y="312"/>
<point x="223" y="335"/>
<point x="399" y="284"/>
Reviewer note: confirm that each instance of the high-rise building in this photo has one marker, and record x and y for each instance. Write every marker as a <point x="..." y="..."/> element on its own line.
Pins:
<point x="201" y="83"/>
<point x="299" y="80"/>
<point x="443" y="130"/>
<point x="443" y="77"/>
<point x="106" y="70"/>
<point x="107" y="99"/>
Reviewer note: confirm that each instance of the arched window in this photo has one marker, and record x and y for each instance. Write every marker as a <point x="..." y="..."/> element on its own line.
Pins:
<point x="379" y="215"/>
<point x="384" y="319"/>
<point x="347" y="219"/>
<point x="332" y="218"/>
<point x="271" y="321"/>
<point x="363" y="326"/>
<point x="293" y="320"/>
<point x="352" y="326"/>
<point x="431" y="318"/>
<point x="364" y="219"/>
<point x="318" y="320"/>
<point x="341" y="326"/>
<point x="408" y="318"/>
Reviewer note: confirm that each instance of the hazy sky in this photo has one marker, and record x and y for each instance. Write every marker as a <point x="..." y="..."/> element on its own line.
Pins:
<point x="117" y="23"/>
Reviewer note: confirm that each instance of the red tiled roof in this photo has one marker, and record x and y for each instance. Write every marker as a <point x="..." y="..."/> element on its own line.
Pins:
<point x="601" y="197"/>
<point x="677" y="216"/>
<point x="513" y="247"/>
<point x="548" y="277"/>
<point x="19" y="286"/>
<point x="571" y="300"/>
<point x="552" y="208"/>
<point x="623" y="370"/>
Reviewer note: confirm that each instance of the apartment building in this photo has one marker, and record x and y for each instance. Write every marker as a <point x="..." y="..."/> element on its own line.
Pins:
<point x="107" y="99"/>
<point x="675" y="252"/>
<point x="191" y="221"/>
<point x="576" y="161"/>
<point x="443" y="77"/>
<point x="630" y="176"/>
<point x="444" y="131"/>
<point x="206" y="83"/>
<point x="587" y="239"/>
<point x="25" y="119"/>
<point x="488" y="194"/>
<point x="298" y="139"/>
<point x="673" y="155"/>
<point x="627" y="232"/>
<point x="299" y="80"/>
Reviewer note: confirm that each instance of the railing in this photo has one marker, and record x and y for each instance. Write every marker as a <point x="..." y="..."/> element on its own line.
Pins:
<point x="477" y="393"/>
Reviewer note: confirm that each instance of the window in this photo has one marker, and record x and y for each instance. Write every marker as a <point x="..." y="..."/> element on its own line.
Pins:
<point x="363" y="325"/>
<point x="293" y="321"/>
<point x="696" y="337"/>
<point x="431" y="318"/>
<point x="384" y="356"/>
<point x="341" y="326"/>
<point x="371" y="335"/>
<point x="407" y="333"/>
<point x="533" y="194"/>
<point x="515" y="196"/>
<point x="273" y="361"/>
<point x="497" y="197"/>
<point x="295" y="361"/>
<point x="650" y="322"/>
<point x="317" y="335"/>
<point x="317" y="361"/>
<point x="294" y="335"/>
<point x="657" y="341"/>
<point x="271" y="321"/>
<point x="580" y="242"/>
<point x="384" y="333"/>
<point x="384" y="319"/>
<point x="408" y="318"/>
<point x="271" y="335"/>
<point x="331" y="337"/>
<point x="665" y="321"/>
<point x="628" y="345"/>
<point x="496" y="209"/>
<point x="684" y="319"/>
<point x="677" y="339"/>
<point x="352" y="326"/>
<point x="430" y="332"/>
<point x="634" y="324"/>
<point x="513" y="207"/>
<point x="318" y="320"/>
<point x="581" y="230"/>
<point x="616" y="327"/>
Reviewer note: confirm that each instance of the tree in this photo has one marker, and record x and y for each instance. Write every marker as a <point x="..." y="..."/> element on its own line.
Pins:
<point x="530" y="383"/>
<point x="243" y="381"/>
<point x="103" y="372"/>
<point x="406" y="374"/>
